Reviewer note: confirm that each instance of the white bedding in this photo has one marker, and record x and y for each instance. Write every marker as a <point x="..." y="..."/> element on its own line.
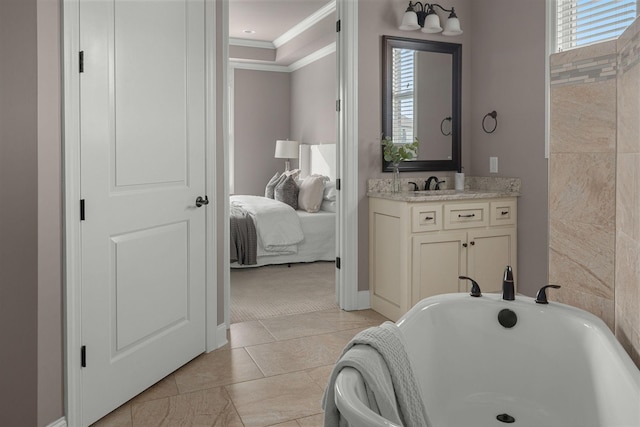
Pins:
<point x="277" y="225"/>
<point x="319" y="243"/>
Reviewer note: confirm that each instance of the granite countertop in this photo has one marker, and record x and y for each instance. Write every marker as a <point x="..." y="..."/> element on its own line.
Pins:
<point x="441" y="195"/>
<point x="476" y="187"/>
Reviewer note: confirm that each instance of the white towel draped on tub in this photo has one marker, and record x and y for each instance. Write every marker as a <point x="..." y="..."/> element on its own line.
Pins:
<point x="379" y="354"/>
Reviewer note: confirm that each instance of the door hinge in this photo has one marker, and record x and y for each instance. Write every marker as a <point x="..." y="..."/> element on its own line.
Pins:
<point x="338" y="262"/>
<point x="337" y="105"/>
<point x="81" y="209"/>
<point x="338" y="184"/>
<point x="82" y="61"/>
<point x="338" y="26"/>
<point x="83" y="356"/>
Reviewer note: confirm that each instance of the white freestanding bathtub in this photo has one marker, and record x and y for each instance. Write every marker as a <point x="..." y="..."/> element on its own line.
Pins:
<point x="558" y="366"/>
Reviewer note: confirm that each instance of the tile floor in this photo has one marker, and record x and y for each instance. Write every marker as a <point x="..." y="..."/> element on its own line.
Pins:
<point x="272" y="373"/>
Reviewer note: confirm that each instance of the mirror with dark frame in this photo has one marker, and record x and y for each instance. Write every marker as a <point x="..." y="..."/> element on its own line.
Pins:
<point x="421" y="98"/>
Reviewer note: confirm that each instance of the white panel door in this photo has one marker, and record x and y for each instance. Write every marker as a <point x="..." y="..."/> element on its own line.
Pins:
<point x="142" y="168"/>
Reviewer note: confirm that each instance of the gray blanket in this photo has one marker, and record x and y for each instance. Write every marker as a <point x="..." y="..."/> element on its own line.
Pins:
<point x="243" y="237"/>
<point x="379" y="355"/>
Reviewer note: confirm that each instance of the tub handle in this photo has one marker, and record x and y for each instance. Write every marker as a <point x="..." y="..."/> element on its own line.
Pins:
<point x="475" y="288"/>
<point x="541" y="296"/>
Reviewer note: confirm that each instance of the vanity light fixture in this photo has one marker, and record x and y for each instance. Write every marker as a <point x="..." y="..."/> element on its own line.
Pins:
<point x="427" y="19"/>
<point x="286" y="149"/>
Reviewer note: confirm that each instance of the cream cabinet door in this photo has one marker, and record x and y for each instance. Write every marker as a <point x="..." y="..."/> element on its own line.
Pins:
<point x="438" y="260"/>
<point x="490" y="251"/>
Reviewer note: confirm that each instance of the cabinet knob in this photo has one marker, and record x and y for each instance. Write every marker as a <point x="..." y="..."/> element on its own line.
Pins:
<point x="473" y="243"/>
<point x="428" y="218"/>
<point x="464" y="245"/>
<point x="504" y="212"/>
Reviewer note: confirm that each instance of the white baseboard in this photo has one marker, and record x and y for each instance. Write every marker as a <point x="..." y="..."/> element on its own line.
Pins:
<point x="364" y="300"/>
<point x="221" y="335"/>
<point x="62" y="422"/>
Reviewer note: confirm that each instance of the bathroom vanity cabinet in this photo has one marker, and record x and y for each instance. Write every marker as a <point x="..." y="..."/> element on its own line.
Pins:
<point x="419" y="245"/>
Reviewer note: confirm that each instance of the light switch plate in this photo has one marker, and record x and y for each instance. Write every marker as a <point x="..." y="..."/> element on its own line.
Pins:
<point x="493" y="165"/>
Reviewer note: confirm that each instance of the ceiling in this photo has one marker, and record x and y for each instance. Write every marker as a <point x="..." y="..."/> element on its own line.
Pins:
<point x="268" y="18"/>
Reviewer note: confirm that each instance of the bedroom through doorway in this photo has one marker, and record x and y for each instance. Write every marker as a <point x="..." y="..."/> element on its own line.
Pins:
<point x="282" y="89"/>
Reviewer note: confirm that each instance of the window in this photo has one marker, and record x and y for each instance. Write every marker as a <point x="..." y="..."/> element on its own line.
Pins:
<point x="403" y="95"/>
<point x="581" y="22"/>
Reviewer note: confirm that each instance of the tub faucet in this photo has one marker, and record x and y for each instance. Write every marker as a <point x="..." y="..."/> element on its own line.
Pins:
<point x="475" y="288"/>
<point x="541" y="296"/>
<point x="427" y="183"/>
<point x="508" y="291"/>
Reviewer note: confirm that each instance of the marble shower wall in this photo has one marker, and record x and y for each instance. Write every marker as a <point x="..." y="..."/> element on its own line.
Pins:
<point x="627" y="285"/>
<point x="594" y="154"/>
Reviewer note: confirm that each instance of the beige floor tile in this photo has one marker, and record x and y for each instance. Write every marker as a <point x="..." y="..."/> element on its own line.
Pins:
<point x="286" y="424"/>
<point x="166" y="387"/>
<point x="211" y="407"/>
<point x="319" y="322"/>
<point x="121" y="417"/>
<point x="273" y="400"/>
<point x="249" y="333"/>
<point x="297" y="354"/>
<point x="321" y="375"/>
<point x="312" y="421"/>
<point x="217" y="368"/>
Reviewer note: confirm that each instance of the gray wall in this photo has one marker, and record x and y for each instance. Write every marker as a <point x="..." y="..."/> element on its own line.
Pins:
<point x="508" y="63"/>
<point x="313" y="102"/>
<point x="503" y="61"/>
<point x="50" y="351"/>
<point x="268" y="105"/>
<point x="377" y="18"/>
<point x="19" y="214"/>
<point x="30" y="229"/>
<point x="262" y="114"/>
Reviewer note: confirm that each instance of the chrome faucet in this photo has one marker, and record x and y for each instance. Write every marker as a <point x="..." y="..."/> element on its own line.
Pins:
<point x="508" y="290"/>
<point x="427" y="183"/>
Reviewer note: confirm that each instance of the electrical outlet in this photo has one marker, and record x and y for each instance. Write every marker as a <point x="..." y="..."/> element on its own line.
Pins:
<point x="493" y="165"/>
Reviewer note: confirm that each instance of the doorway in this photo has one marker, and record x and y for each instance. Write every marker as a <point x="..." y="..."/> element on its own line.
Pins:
<point x="291" y="97"/>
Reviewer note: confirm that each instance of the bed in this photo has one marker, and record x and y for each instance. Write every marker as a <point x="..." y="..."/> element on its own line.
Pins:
<point x="283" y="235"/>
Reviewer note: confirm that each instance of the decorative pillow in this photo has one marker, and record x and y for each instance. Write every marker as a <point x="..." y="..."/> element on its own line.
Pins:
<point x="287" y="192"/>
<point x="330" y="191"/>
<point x="328" y="205"/>
<point x="311" y="192"/>
<point x="271" y="185"/>
<point x="293" y="172"/>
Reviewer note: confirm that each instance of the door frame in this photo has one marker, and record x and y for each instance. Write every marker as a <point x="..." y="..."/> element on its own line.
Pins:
<point x="347" y="162"/>
<point x="72" y="250"/>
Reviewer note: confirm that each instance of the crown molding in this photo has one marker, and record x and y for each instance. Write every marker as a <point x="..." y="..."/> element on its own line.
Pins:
<point x="267" y="66"/>
<point x="259" y="66"/>
<point x="305" y="24"/>
<point x="260" y="44"/>
<point x="313" y="57"/>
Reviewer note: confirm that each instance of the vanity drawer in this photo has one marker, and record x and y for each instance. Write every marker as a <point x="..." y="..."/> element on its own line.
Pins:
<point x="426" y="218"/>
<point x="466" y="215"/>
<point x="503" y="213"/>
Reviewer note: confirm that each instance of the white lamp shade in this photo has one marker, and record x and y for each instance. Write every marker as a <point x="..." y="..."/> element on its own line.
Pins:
<point x="286" y="149"/>
<point x="452" y="27"/>
<point x="432" y="24"/>
<point x="409" y="21"/>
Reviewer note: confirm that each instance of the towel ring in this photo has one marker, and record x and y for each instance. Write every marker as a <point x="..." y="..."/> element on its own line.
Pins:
<point x="441" y="123"/>
<point x="494" y="116"/>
